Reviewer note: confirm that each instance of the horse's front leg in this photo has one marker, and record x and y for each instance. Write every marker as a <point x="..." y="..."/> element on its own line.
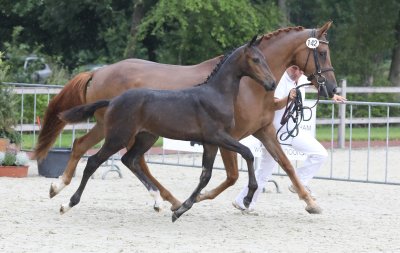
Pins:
<point x="79" y="148"/>
<point x="232" y="173"/>
<point x="209" y="154"/>
<point x="267" y="136"/>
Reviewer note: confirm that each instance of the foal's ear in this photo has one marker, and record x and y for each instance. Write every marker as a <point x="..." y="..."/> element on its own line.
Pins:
<point x="321" y="31"/>
<point x="251" y="43"/>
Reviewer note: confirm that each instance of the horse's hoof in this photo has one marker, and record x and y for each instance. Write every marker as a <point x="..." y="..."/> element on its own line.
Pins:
<point x="52" y="191"/>
<point x="174" y="217"/>
<point x="64" y="208"/>
<point x="313" y="209"/>
<point x="246" y="203"/>
<point x="157" y="208"/>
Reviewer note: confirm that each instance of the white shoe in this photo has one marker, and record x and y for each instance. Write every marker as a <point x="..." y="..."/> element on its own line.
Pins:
<point x="243" y="210"/>
<point x="293" y="189"/>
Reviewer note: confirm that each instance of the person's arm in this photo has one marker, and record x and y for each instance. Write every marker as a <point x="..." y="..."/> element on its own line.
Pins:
<point x="280" y="103"/>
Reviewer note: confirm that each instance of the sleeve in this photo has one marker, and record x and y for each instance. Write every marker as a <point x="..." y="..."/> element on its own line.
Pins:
<point x="282" y="89"/>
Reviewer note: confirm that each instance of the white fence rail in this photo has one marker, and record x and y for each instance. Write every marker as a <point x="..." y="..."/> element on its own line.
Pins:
<point x="347" y="161"/>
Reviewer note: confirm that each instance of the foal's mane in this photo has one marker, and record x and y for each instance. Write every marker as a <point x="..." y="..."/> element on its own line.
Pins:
<point x="217" y="67"/>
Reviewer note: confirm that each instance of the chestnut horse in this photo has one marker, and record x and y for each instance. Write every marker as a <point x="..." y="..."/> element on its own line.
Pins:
<point x="254" y="108"/>
<point x="203" y="113"/>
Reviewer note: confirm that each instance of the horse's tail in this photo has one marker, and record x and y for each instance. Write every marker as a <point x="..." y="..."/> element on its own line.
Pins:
<point x="82" y="112"/>
<point x="73" y="94"/>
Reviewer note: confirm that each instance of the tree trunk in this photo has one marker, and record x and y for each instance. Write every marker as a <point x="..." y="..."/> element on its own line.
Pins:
<point x="394" y="74"/>
<point x="284" y="9"/>
<point x="137" y="15"/>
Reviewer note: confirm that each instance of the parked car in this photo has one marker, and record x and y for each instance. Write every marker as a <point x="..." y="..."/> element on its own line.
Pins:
<point x="38" y="68"/>
<point x="27" y="69"/>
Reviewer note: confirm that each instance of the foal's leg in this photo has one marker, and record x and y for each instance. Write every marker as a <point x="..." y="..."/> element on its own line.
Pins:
<point x="92" y="164"/>
<point x="228" y="142"/>
<point x="131" y="159"/>
<point x="232" y="174"/>
<point x="209" y="154"/>
<point x="267" y="136"/>
<point x="81" y="145"/>
<point x="165" y="194"/>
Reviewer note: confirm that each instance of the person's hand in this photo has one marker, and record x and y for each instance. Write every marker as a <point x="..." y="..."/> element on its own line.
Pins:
<point x="292" y="94"/>
<point x="338" y="99"/>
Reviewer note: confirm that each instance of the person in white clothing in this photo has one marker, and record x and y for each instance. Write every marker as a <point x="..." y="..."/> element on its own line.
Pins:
<point x="304" y="142"/>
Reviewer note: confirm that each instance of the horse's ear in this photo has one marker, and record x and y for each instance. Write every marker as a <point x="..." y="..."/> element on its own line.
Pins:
<point x="324" y="28"/>
<point x="251" y="43"/>
<point x="259" y="40"/>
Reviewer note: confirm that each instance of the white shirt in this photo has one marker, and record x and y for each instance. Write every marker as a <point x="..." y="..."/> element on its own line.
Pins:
<point x="283" y="90"/>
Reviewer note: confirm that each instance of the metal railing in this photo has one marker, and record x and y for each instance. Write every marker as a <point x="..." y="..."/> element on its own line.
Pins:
<point x="347" y="161"/>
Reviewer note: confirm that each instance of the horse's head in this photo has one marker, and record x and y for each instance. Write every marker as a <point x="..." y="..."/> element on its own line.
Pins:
<point x="314" y="58"/>
<point x="255" y="65"/>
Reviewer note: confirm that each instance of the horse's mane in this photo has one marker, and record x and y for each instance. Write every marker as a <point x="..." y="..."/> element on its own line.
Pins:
<point x="277" y="32"/>
<point x="266" y="37"/>
<point x="217" y="67"/>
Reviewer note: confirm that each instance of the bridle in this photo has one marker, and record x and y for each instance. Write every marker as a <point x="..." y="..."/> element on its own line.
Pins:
<point x="295" y="109"/>
<point x="318" y="74"/>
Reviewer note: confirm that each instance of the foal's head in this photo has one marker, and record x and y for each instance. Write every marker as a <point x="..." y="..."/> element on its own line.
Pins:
<point x="255" y="65"/>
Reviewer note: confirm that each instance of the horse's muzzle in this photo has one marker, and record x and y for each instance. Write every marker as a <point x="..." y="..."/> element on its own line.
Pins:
<point x="269" y="86"/>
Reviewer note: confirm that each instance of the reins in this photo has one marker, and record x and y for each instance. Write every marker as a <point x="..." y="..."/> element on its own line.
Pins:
<point x="295" y="111"/>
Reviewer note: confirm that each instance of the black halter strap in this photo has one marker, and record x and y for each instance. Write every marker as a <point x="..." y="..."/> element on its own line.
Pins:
<point x="318" y="70"/>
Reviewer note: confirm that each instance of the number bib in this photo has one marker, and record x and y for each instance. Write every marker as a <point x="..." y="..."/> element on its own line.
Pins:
<point x="312" y="43"/>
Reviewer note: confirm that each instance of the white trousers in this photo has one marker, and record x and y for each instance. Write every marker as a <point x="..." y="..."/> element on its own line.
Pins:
<point x="304" y="142"/>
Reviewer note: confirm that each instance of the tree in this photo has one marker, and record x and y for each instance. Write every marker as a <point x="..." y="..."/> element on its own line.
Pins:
<point x="189" y="31"/>
<point x="362" y="36"/>
<point x="394" y="75"/>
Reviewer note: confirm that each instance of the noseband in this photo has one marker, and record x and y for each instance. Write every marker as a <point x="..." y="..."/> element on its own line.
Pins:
<point x="318" y="70"/>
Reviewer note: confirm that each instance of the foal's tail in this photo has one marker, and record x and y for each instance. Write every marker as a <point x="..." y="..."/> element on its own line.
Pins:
<point x="73" y="94"/>
<point x="82" y="112"/>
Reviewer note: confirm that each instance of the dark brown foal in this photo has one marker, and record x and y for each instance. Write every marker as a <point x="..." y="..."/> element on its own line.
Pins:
<point x="204" y="113"/>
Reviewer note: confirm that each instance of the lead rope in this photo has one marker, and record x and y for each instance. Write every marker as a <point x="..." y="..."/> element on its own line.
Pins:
<point x="295" y="111"/>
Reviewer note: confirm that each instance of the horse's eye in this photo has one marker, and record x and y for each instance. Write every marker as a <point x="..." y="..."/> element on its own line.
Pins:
<point x="256" y="60"/>
<point x="323" y="54"/>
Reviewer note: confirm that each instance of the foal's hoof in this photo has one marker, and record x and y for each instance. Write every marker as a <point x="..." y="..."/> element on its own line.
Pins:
<point x="64" y="208"/>
<point x="313" y="209"/>
<point x="174" y="216"/>
<point x="157" y="207"/>
<point x="246" y="202"/>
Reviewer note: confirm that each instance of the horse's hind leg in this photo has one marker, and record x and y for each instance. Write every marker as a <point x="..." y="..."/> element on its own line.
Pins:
<point x="91" y="166"/>
<point x="209" y="154"/>
<point x="165" y="194"/>
<point x="232" y="173"/>
<point x="81" y="145"/>
<point x="131" y="159"/>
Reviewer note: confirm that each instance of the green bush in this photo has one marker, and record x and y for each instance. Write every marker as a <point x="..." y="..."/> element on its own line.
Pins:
<point x="9" y="159"/>
<point x="8" y="108"/>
